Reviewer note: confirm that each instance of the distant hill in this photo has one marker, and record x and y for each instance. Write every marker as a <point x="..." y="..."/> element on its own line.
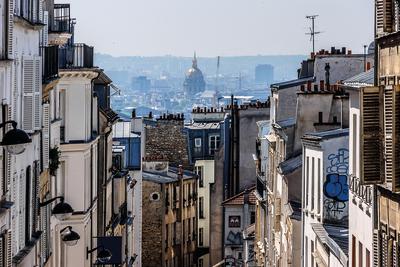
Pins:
<point x="122" y="69"/>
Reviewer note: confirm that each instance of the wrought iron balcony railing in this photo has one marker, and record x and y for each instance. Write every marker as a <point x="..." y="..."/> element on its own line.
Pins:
<point x="76" y="56"/>
<point x="61" y="19"/>
<point x="50" y="62"/>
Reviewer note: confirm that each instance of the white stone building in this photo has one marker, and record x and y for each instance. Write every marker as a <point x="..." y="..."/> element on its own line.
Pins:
<point x="361" y="198"/>
<point x="325" y="198"/>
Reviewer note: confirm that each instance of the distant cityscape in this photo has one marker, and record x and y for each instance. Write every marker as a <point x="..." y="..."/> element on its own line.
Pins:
<point x="157" y="84"/>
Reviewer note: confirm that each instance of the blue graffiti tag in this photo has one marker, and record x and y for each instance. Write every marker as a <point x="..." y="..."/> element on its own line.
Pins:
<point x="336" y="186"/>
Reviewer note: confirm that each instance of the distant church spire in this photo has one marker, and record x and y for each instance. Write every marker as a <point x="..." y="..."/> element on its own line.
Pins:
<point x="194" y="65"/>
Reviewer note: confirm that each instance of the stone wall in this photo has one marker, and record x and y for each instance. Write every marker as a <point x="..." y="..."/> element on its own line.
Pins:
<point x="152" y="250"/>
<point x="165" y="140"/>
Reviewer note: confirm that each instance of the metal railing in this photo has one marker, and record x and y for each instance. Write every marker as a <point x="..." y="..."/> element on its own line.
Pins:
<point x="76" y="56"/>
<point x="50" y="62"/>
<point x="364" y="192"/>
<point x="61" y="19"/>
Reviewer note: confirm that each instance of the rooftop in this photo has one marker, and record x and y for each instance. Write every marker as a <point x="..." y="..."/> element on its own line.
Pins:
<point x="286" y="123"/>
<point x="203" y="126"/>
<point x="239" y="199"/>
<point x="290" y="165"/>
<point x="361" y="80"/>
<point x="336" y="238"/>
<point x="319" y="136"/>
<point x="290" y="84"/>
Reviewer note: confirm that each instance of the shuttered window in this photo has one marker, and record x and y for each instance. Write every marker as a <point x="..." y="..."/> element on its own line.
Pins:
<point x="371" y="147"/>
<point x="389" y="131"/>
<point x="46" y="135"/>
<point x="10" y="29"/>
<point x="32" y="82"/>
<point x="385" y="18"/>
<point x="396" y="139"/>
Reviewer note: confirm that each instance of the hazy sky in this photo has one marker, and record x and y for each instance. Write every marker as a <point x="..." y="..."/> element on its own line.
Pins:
<point x="219" y="27"/>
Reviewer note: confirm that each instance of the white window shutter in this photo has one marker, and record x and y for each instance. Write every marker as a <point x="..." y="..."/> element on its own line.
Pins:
<point x="22" y="215"/>
<point x="46" y="135"/>
<point x="28" y="94"/>
<point x="10" y="30"/>
<point x="2" y="254"/>
<point x="14" y="95"/>
<point x="45" y="31"/>
<point x="7" y="249"/>
<point x="37" y="109"/>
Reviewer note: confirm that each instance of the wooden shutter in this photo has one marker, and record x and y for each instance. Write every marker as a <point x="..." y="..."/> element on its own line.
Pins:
<point x="37" y="109"/>
<point x="384" y="250"/>
<point x="46" y="135"/>
<point x="392" y="136"/>
<point x="371" y="147"/>
<point x="10" y="29"/>
<point x="385" y="16"/>
<point x="28" y="94"/>
<point x="22" y="209"/>
<point x="14" y="95"/>
<point x="395" y="255"/>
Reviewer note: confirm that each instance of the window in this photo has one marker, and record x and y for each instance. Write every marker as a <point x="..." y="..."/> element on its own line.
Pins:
<point x="201" y="236"/>
<point x="252" y="217"/>
<point x="201" y="263"/>
<point x="197" y="145"/>
<point x="214" y="141"/>
<point x="199" y="172"/>
<point x="360" y="254"/>
<point x="353" y="251"/>
<point x="201" y="207"/>
<point x="312" y="253"/>
<point x="312" y="184"/>
<point x="354" y="147"/>
<point x="307" y="174"/>
<point x="234" y="221"/>
<point x="240" y="255"/>
<point x="367" y="258"/>
<point x="319" y="180"/>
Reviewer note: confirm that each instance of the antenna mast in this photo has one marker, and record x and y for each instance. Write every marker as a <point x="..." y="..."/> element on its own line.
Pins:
<point x="312" y="32"/>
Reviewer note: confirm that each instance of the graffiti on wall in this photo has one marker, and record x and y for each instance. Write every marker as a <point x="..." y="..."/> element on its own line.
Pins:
<point x="336" y="187"/>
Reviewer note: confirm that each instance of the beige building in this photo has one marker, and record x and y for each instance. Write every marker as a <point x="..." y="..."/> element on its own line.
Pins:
<point x="205" y="173"/>
<point x="169" y="216"/>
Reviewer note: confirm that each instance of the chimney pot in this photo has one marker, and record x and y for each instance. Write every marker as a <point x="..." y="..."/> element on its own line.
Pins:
<point x="302" y="87"/>
<point x="315" y="87"/>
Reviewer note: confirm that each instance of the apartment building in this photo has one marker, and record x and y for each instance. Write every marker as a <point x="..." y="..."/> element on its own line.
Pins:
<point x="361" y="197"/>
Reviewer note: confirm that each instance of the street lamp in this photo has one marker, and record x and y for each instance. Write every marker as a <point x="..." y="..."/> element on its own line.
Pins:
<point x="69" y="237"/>
<point x="62" y="210"/>
<point x="15" y="140"/>
<point x="103" y="255"/>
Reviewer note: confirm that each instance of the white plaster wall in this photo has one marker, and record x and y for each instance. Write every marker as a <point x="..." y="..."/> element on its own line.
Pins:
<point x="363" y="232"/>
<point x="78" y="108"/>
<point x="334" y="262"/>
<point x="342" y="67"/>
<point x="208" y="174"/>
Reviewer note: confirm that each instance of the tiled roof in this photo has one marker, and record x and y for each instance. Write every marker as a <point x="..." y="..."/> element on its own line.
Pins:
<point x="319" y="136"/>
<point x="239" y="198"/>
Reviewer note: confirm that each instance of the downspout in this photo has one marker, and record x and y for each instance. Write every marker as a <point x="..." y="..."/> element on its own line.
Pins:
<point x="91" y="199"/>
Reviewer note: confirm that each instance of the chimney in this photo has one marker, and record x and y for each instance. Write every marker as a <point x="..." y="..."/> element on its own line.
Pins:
<point x="344" y="50"/>
<point x="315" y="87"/>
<point x="133" y="113"/>
<point x="302" y="88"/>
<point x="368" y="66"/>
<point x="309" y="84"/>
<point x="322" y="85"/>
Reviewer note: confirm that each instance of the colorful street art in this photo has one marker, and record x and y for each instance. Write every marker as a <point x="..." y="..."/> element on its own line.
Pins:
<point x="336" y="187"/>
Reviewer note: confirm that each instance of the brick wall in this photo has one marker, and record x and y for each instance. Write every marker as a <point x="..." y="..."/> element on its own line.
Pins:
<point x="152" y="254"/>
<point x="165" y="140"/>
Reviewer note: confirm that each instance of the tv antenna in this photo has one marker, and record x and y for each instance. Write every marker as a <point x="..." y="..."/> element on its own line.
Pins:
<point x="312" y="32"/>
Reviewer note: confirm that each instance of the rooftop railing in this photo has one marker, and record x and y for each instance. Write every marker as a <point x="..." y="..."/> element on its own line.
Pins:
<point x="61" y="20"/>
<point x="76" y="56"/>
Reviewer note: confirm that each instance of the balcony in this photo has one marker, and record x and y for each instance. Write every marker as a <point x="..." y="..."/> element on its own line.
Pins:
<point x="50" y="62"/>
<point x="61" y="20"/>
<point x="260" y="188"/>
<point x="76" y="56"/>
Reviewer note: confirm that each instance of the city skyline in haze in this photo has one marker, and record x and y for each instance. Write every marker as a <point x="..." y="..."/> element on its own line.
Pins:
<point x="220" y="27"/>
